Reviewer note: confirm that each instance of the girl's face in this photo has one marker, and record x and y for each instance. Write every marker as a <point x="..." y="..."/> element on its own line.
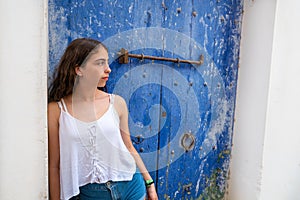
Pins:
<point x="96" y="70"/>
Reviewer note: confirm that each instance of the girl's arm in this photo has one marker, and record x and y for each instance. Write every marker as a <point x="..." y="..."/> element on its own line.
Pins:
<point x="121" y="107"/>
<point x="53" y="150"/>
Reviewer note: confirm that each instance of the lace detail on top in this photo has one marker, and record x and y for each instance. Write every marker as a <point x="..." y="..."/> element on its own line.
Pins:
<point x="92" y="152"/>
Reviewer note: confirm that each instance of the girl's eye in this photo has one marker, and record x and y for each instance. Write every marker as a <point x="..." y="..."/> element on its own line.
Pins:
<point x="101" y="63"/>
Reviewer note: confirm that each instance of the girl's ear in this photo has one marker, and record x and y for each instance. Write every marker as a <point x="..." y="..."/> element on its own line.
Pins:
<point x="78" y="70"/>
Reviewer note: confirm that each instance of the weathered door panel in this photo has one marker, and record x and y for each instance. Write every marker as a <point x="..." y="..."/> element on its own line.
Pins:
<point x="181" y="115"/>
<point x="144" y="105"/>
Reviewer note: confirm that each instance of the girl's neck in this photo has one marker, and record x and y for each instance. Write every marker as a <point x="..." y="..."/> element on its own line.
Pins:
<point x="87" y="95"/>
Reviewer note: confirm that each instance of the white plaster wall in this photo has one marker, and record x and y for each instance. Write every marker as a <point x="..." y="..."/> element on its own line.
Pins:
<point x="252" y="99"/>
<point x="265" y="159"/>
<point x="23" y="76"/>
<point x="281" y="157"/>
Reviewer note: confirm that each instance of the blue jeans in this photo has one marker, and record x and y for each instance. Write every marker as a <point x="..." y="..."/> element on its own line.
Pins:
<point x="121" y="190"/>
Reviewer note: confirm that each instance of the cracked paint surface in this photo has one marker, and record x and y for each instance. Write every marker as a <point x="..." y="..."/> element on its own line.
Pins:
<point x="167" y="100"/>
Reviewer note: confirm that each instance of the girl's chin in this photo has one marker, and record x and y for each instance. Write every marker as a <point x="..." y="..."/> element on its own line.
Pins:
<point x="101" y="85"/>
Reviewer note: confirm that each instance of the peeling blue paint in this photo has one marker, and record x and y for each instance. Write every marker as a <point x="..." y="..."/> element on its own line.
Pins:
<point x="167" y="100"/>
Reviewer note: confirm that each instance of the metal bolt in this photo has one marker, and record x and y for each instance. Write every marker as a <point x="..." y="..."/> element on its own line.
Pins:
<point x="187" y="188"/>
<point x="222" y="19"/>
<point x="139" y="139"/>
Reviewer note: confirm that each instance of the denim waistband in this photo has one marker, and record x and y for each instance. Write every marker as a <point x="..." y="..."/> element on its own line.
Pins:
<point x="134" y="189"/>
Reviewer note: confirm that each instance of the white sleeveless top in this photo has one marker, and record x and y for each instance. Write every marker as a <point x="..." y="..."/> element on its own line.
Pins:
<point x="92" y="152"/>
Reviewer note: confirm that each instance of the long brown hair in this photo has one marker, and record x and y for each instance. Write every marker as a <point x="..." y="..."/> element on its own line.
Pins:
<point x="76" y="54"/>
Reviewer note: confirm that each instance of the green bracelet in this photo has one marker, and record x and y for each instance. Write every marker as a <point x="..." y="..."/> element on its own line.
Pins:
<point x="149" y="182"/>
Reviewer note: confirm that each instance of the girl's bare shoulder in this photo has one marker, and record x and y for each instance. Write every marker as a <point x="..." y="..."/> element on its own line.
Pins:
<point x="53" y="110"/>
<point x="119" y="100"/>
<point x="120" y="104"/>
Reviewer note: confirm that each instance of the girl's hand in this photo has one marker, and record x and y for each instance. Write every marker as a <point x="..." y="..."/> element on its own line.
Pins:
<point x="151" y="192"/>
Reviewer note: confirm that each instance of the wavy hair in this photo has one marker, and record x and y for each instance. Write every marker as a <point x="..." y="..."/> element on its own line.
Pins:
<point x="76" y="54"/>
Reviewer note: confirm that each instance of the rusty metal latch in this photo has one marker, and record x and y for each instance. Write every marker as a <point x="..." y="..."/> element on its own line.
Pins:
<point x="188" y="141"/>
<point x="124" y="58"/>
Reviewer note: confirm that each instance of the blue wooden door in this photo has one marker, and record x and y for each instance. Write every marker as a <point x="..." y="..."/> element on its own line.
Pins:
<point x="181" y="115"/>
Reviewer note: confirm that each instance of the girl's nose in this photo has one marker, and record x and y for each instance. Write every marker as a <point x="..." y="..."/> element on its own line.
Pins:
<point x="107" y="69"/>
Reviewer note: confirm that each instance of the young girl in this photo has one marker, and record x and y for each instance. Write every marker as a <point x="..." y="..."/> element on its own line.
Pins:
<point x="91" y="156"/>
